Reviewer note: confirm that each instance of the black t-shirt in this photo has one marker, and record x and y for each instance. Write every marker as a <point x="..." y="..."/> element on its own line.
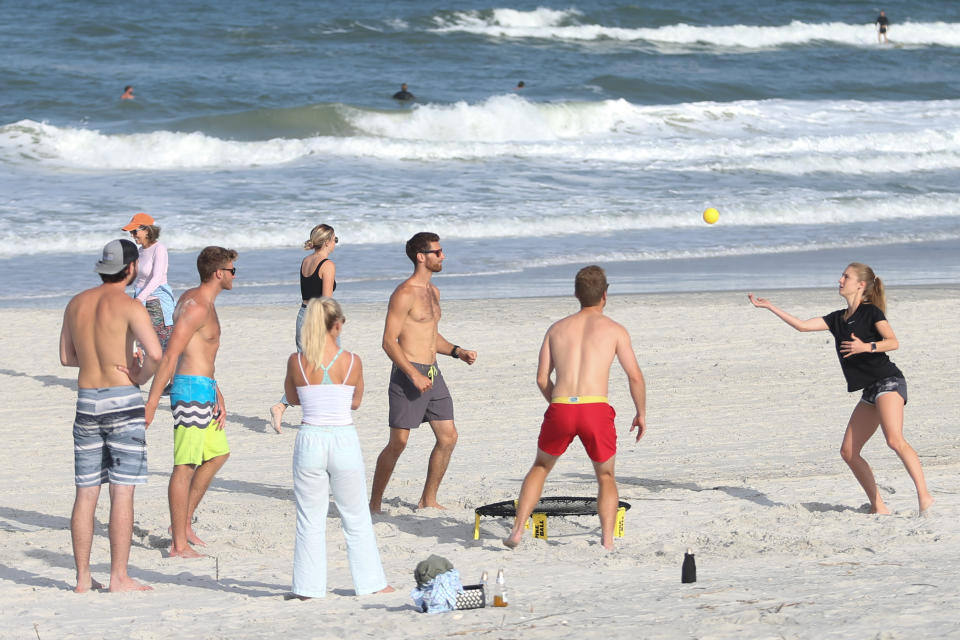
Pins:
<point x="882" y="21"/>
<point x="861" y="369"/>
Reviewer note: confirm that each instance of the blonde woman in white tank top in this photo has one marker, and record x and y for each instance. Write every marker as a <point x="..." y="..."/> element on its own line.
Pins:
<point x="328" y="382"/>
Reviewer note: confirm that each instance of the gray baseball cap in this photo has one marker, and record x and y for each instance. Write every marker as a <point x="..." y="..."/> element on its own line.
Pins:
<point x="117" y="254"/>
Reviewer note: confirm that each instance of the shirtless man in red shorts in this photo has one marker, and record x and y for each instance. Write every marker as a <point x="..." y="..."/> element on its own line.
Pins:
<point x="581" y="348"/>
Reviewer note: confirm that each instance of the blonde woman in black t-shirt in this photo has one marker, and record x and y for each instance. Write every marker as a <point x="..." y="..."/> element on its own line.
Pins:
<point x="863" y="336"/>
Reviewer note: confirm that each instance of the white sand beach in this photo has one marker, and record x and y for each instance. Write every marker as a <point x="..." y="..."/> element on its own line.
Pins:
<point x="741" y="463"/>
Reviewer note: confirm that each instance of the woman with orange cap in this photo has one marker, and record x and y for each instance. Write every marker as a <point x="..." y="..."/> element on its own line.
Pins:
<point x="150" y="286"/>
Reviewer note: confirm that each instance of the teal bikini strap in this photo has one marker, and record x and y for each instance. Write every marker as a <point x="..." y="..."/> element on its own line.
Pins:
<point x="326" y="376"/>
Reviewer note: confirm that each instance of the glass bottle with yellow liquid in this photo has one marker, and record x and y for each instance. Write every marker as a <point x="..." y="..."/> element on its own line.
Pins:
<point x="500" y="591"/>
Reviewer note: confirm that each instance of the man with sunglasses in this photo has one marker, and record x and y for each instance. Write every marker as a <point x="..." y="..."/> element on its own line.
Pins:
<point x="199" y="414"/>
<point x="417" y="392"/>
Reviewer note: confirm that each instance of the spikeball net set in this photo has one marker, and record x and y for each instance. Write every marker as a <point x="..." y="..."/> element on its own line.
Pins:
<point x="558" y="506"/>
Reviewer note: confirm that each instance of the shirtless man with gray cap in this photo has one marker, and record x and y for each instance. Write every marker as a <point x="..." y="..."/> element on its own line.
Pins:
<point x="109" y="440"/>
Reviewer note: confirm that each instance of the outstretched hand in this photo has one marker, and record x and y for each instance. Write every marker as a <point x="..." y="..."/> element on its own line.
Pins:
<point x="640" y="424"/>
<point x="853" y="346"/>
<point x="761" y="303"/>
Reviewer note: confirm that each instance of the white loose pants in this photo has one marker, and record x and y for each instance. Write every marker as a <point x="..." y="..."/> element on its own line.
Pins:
<point x="325" y="460"/>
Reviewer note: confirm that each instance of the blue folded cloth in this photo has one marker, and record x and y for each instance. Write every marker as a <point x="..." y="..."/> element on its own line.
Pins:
<point x="440" y="594"/>
<point x="164" y="294"/>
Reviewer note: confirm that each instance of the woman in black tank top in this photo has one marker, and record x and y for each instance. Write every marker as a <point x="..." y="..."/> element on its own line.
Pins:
<point x="317" y="278"/>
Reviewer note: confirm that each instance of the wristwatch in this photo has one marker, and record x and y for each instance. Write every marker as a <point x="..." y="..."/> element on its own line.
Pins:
<point x="873" y="346"/>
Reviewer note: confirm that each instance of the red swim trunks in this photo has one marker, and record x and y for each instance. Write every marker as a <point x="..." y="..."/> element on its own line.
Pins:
<point x="591" y="422"/>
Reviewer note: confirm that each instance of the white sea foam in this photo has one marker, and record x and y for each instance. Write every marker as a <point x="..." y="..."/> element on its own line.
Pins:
<point x="538" y="18"/>
<point x="681" y="253"/>
<point x="556" y="25"/>
<point x="771" y="136"/>
<point x="245" y="228"/>
<point x="89" y="149"/>
<point x="498" y="119"/>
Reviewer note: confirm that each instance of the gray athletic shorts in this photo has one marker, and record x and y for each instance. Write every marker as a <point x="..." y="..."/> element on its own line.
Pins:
<point x="409" y="408"/>
<point x="882" y="386"/>
<point x="109" y="439"/>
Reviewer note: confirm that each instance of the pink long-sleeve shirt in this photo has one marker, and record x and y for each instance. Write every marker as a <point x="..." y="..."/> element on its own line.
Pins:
<point x="151" y="271"/>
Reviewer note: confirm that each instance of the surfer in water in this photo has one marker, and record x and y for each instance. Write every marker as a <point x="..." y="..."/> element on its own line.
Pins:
<point x="883" y="23"/>
<point x="403" y="95"/>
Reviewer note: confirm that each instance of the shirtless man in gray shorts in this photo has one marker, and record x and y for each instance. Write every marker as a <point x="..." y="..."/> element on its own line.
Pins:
<point x="417" y="393"/>
<point x="99" y="327"/>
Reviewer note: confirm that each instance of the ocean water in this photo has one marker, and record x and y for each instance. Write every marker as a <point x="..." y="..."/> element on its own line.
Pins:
<point x="255" y="121"/>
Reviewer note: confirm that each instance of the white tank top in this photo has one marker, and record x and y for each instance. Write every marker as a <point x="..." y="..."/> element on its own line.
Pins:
<point x="326" y="404"/>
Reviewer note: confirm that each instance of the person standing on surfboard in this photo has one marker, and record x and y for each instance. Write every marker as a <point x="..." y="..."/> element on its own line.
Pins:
<point x="883" y="23"/>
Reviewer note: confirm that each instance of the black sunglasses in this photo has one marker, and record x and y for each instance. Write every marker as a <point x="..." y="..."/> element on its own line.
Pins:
<point x="435" y="252"/>
<point x="232" y="270"/>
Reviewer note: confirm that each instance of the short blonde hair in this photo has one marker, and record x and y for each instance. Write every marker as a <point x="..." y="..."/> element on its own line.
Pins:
<point x="322" y="313"/>
<point x="319" y="236"/>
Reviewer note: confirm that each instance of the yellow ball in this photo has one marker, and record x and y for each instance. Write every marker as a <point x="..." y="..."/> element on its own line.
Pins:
<point x="711" y="215"/>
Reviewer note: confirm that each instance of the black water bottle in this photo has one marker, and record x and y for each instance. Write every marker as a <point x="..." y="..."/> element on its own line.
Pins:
<point x="689" y="572"/>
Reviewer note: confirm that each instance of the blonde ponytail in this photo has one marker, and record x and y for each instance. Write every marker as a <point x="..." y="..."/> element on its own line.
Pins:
<point x="321" y="315"/>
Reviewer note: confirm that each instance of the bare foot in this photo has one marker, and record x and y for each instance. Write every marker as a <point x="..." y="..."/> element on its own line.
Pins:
<point x="276" y="416"/>
<point x="386" y="589"/>
<point x="86" y="585"/>
<point x="192" y="537"/>
<point x="375" y="510"/>
<point x="188" y="553"/>
<point x="925" y="505"/>
<point x="127" y="584"/>
<point x="880" y="510"/>
<point x="432" y="504"/>
<point x="511" y="542"/>
<point x="607" y="546"/>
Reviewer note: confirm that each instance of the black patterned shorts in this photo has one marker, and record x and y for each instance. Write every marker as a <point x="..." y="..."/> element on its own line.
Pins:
<point x="882" y="386"/>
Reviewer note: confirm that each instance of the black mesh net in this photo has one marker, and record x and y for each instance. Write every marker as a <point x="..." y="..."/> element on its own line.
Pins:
<point x="554" y="506"/>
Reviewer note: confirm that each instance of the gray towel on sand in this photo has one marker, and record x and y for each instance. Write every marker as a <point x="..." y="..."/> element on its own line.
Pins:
<point x="430" y="568"/>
